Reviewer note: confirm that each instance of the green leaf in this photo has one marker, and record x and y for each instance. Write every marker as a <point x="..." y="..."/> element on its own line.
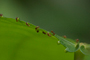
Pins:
<point x="70" y="46"/>
<point x="85" y="49"/>
<point x="19" y="41"/>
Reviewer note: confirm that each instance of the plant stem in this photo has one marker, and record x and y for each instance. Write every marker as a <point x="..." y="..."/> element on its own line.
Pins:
<point x="78" y="55"/>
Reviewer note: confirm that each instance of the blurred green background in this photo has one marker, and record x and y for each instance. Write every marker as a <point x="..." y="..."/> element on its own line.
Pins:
<point x="64" y="17"/>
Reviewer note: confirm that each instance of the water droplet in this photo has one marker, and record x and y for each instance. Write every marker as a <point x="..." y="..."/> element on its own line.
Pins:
<point x="58" y="42"/>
